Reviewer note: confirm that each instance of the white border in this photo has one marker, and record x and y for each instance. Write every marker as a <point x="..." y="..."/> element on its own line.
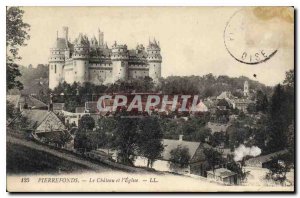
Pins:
<point x="5" y="3"/>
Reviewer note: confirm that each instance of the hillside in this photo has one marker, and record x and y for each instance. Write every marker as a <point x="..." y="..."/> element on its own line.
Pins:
<point x="205" y="86"/>
<point x="25" y="156"/>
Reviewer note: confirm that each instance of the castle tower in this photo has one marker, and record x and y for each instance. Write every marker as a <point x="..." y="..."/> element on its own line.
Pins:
<point x="100" y="38"/>
<point x="66" y="33"/>
<point x="57" y="61"/>
<point x="94" y="42"/>
<point x="81" y="58"/>
<point x="154" y="60"/>
<point x="119" y="60"/>
<point x="246" y="88"/>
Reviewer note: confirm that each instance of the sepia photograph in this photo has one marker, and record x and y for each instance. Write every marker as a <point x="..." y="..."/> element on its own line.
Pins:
<point x="150" y="99"/>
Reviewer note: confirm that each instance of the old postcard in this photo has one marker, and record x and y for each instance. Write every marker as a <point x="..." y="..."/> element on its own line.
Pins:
<point x="150" y="99"/>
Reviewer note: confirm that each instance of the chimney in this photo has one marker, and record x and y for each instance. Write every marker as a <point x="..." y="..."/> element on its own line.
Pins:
<point x="66" y="32"/>
<point x="180" y="137"/>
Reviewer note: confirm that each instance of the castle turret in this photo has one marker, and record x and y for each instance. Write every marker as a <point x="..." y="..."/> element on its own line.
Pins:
<point x="119" y="60"/>
<point x="154" y="60"/>
<point x="94" y="42"/>
<point x="81" y="58"/>
<point x="100" y="38"/>
<point x="57" y="61"/>
<point x="66" y="33"/>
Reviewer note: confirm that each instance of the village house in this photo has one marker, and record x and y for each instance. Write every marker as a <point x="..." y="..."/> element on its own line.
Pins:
<point x="235" y="102"/>
<point x="223" y="176"/>
<point x="218" y="127"/>
<point x="263" y="161"/>
<point x="90" y="108"/>
<point x="45" y="126"/>
<point x="58" y="107"/>
<point x="197" y="165"/>
<point x="72" y="118"/>
<point x="26" y="102"/>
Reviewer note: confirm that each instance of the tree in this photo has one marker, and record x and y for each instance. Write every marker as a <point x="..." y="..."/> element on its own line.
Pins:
<point x="262" y="102"/>
<point x="150" y="138"/>
<point x="251" y="108"/>
<point x="107" y="124"/>
<point x="106" y="127"/>
<point x="279" y="166"/>
<point x="218" y="138"/>
<point x="213" y="157"/>
<point x="62" y="139"/>
<point x="126" y="138"/>
<point x="289" y="78"/>
<point x="179" y="157"/>
<point x="237" y="168"/>
<point x="279" y="119"/>
<point x="81" y="141"/>
<point x="86" y="123"/>
<point x="11" y="111"/>
<point x="16" y="35"/>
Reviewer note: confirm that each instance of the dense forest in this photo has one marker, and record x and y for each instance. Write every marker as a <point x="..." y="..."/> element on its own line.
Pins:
<point x="30" y="73"/>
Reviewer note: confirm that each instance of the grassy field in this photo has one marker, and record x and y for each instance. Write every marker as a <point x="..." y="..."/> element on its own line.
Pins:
<point x="21" y="159"/>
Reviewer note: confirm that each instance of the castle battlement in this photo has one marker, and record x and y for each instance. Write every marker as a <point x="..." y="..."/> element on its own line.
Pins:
<point x="91" y="60"/>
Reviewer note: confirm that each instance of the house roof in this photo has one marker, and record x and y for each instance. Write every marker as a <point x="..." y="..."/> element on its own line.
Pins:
<point x="58" y="106"/>
<point x="32" y="102"/>
<point x="264" y="158"/>
<point x="201" y="107"/>
<point x="217" y="127"/>
<point x="91" y="107"/>
<point x="225" y="95"/>
<point x="14" y="99"/>
<point x="79" y="109"/>
<point x="60" y="43"/>
<point x="43" y="120"/>
<point x="209" y="103"/>
<point x="169" y="145"/>
<point x="222" y="172"/>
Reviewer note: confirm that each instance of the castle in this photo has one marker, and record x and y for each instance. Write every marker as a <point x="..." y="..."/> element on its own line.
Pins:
<point x="93" y="61"/>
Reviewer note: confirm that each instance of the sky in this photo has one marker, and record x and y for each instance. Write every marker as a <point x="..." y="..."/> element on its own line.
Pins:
<point x="191" y="38"/>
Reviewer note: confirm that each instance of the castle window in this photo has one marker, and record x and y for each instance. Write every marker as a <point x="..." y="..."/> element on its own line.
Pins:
<point x="55" y="69"/>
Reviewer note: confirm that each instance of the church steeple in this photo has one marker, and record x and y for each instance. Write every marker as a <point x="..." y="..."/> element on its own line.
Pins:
<point x="246" y="88"/>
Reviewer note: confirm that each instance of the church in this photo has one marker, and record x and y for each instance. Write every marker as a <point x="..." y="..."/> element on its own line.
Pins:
<point x="91" y="60"/>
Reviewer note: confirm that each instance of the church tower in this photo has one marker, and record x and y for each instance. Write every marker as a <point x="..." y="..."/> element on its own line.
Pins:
<point x="246" y="89"/>
<point x="154" y="60"/>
